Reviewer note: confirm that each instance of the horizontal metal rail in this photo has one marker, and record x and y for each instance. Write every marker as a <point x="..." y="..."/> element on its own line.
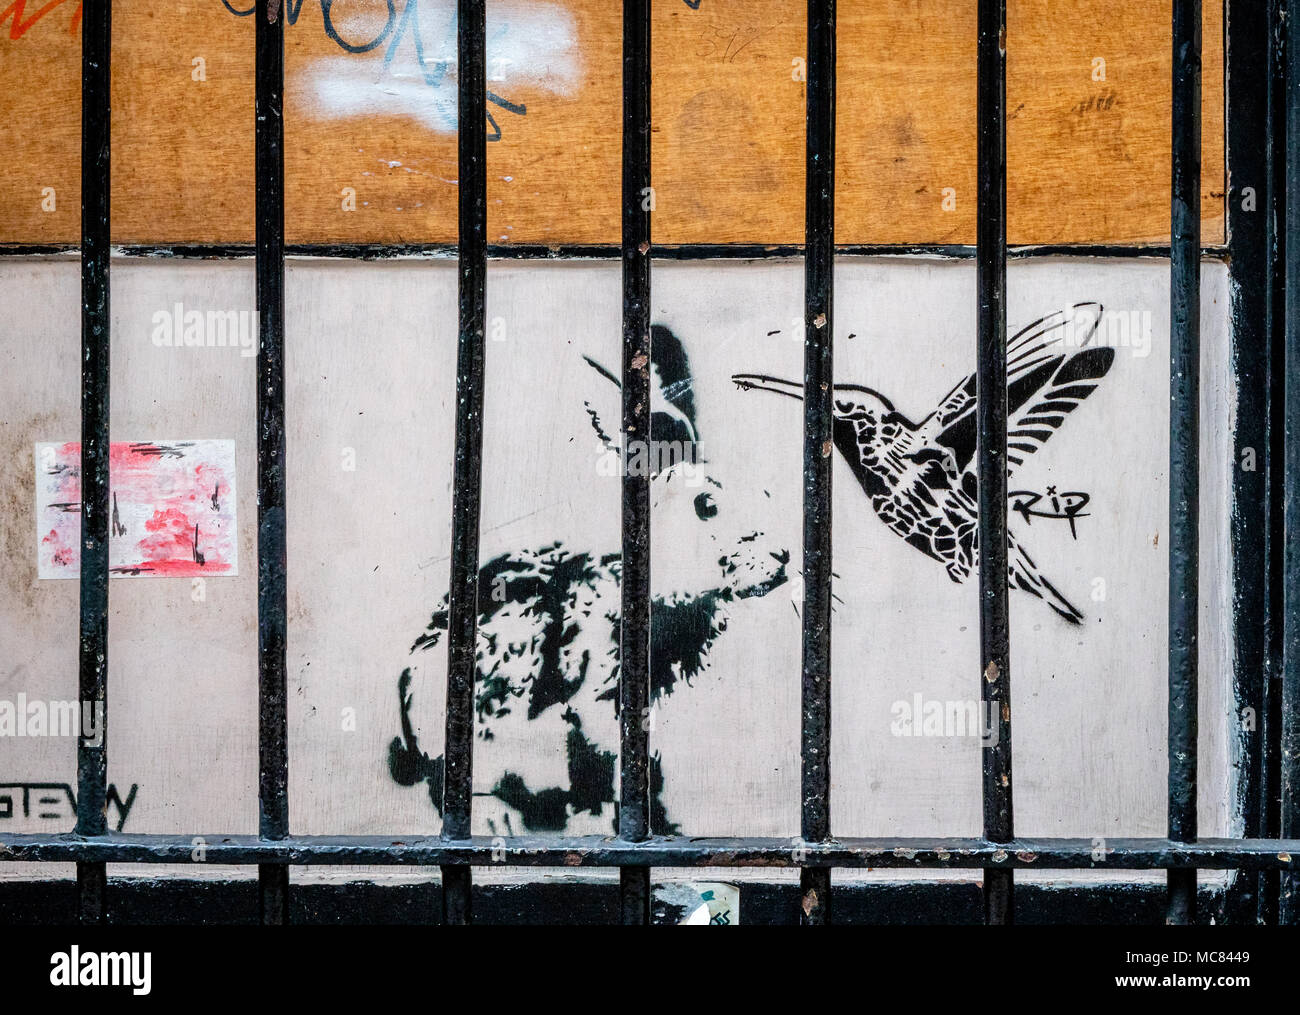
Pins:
<point x="659" y="851"/>
<point x="599" y="252"/>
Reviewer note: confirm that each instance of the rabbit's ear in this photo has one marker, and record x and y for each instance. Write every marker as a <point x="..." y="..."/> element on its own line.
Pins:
<point x="673" y="366"/>
<point x="672" y="397"/>
<point x="605" y="405"/>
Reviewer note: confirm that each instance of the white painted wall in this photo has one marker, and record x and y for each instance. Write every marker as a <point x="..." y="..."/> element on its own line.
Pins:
<point x="371" y="368"/>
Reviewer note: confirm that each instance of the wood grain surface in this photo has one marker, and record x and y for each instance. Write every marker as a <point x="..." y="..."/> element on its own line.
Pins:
<point x="369" y="121"/>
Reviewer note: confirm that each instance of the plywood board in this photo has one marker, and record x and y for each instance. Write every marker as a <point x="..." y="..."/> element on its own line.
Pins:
<point x="370" y="115"/>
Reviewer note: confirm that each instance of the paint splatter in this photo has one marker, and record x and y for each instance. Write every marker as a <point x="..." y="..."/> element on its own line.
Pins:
<point x="408" y="66"/>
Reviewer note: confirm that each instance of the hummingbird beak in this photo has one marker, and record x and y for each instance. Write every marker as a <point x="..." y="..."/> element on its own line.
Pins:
<point x="762" y="382"/>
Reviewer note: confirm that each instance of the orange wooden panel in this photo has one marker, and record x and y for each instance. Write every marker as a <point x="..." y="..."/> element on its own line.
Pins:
<point x="370" y="150"/>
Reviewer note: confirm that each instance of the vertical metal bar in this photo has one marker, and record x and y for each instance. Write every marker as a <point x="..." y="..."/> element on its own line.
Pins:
<point x="467" y="472"/>
<point x="634" y="636"/>
<point x="272" y="738"/>
<point x="1289" y="895"/>
<point x="1246" y="72"/>
<point x="991" y="421"/>
<point x="1184" y="444"/>
<point x="1274" y="342"/>
<point x="92" y="761"/>
<point x="818" y="400"/>
<point x="1270" y="800"/>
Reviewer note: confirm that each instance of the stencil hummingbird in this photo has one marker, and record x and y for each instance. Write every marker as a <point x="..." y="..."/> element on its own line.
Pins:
<point x="921" y="476"/>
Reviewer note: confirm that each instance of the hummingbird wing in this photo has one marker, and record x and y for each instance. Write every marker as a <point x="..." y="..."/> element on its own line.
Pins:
<point x="1072" y="382"/>
<point x="1043" y="373"/>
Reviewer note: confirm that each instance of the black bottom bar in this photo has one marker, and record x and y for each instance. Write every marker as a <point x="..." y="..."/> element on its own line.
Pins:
<point x="1182" y="897"/>
<point x="815" y="897"/>
<point x="92" y="881"/>
<point x="273" y="893"/>
<point x="1288" y="903"/>
<point x="999" y="897"/>
<point x="457" y="891"/>
<point x="634" y="895"/>
<point x="138" y="901"/>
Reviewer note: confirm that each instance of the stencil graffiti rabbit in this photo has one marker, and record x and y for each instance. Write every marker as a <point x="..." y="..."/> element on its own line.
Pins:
<point x="546" y="693"/>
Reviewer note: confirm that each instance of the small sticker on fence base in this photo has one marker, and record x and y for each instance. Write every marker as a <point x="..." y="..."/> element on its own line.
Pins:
<point x="171" y="509"/>
<point x="698" y="903"/>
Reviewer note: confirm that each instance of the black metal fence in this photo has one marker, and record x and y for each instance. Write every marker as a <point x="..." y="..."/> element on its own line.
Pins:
<point x="1263" y="99"/>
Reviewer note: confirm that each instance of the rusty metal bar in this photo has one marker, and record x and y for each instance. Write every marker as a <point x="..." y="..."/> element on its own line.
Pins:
<point x="462" y="629"/>
<point x="818" y="401"/>
<point x="1184" y="444"/>
<point x="634" y="633"/>
<point x="1289" y="761"/>
<point x="92" y="758"/>
<point x="272" y="555"/>
<point x="991" y="421"/>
